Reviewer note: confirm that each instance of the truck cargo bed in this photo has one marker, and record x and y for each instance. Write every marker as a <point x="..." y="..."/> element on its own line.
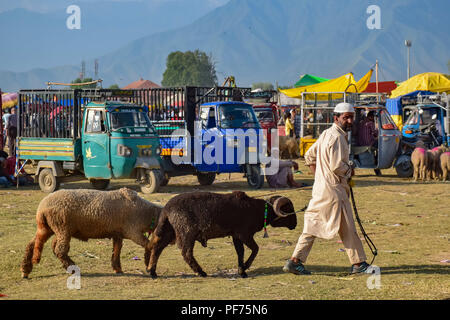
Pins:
<point x="49" y="149"/>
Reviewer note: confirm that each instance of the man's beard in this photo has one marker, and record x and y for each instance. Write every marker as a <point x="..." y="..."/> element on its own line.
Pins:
<point x="345" y="127"/>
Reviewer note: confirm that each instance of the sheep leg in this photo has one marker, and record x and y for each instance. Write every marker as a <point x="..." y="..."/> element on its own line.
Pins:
<point x="27" y="265"/>
<point x="156" y="247"/>
<point x="141" y="240"/>
<point x="416" y="172"/>
<point x="54" y="245"/>
<point x="252" y="245"/>
<point x="42" y="235"/>
<point x="239" y="246"/>
<point x="188" y="254"/>
<point x="62" y="247"/>
<point x="115" y="259"/>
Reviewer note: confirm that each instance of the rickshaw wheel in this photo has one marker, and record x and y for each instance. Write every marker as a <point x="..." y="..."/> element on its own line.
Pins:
<point x="152" y="182"/>
<point x="47" y="181"/>
<point x="206" y="179"/>
<point x="254" y="177"/>
<point x="99" y="184"/>
<point x="405" y="170"/>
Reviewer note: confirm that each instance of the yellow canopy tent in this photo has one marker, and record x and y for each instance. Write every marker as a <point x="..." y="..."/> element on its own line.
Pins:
<point x="345" y="83"/>
<point x="429" y="81"/>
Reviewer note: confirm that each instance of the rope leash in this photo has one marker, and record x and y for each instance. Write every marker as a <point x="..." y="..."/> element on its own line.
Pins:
<point x="369" y="242"/>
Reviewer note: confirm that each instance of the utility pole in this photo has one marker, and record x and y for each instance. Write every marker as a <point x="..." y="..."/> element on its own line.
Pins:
<point x="408" y="44"/>
<point x="83" y="70"/>
<point x="96" y="69"/>
<point x="376" y="80"/>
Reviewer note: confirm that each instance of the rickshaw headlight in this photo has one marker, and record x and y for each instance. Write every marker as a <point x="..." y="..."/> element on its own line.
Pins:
<point x="158" y="150"/>
<point x="124" y="151"/>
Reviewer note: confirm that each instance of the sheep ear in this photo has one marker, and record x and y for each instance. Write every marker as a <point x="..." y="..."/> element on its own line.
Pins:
<point x="239" y="194"/>
<point x="129" y="194"/>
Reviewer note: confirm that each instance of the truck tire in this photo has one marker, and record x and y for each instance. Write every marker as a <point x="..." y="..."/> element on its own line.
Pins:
<point x="405" y="169"/>
<point x="206" y="179"/>
<point x="99" y="184"/>
<point x="47" y="181"/>
<point x="254" y="177"/>
<point x="153" y="182"/>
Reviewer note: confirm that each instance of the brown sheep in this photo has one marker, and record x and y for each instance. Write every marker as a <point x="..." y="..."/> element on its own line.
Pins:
<point x="91" y="214"/>
<point x="289" y="147"/>
<point x="435" y="162"/>
<point x="429" y="167"/>
<point x="419" y="159"/>
<point x="445" y="165"/>
<point x="200" y="216"/>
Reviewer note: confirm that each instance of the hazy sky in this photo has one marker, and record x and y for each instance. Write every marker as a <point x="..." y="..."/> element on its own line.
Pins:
<point x="53" y="5"/>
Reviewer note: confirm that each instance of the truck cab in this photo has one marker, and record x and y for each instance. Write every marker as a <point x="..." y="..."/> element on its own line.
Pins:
<point x="231" y="131"/>
<point x="382" y="152"/>
<point x="226" y="138"/>
<point x="425" y="122"/>
<point x="118" y="141"/>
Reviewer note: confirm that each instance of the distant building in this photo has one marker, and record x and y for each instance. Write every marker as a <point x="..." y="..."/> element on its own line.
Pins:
<point x="142" y="84"/>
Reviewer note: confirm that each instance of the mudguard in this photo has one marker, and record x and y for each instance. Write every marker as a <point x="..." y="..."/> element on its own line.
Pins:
<point x="147" y="163"/>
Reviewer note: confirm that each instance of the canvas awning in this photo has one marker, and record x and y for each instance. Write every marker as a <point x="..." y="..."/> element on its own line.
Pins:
<point x="9" y="100"/>
<point x="383" y="87"/>
<point x="345" y="83"/>
<point x="429" y="81"/>
<point x="307" y="80"/>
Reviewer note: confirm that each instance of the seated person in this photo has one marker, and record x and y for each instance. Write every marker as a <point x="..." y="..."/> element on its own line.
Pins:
<point x="367" y="134"/>
<point x="5" y="178"/>
<point x="9" y="168"/>
<point x="284" y="177"/>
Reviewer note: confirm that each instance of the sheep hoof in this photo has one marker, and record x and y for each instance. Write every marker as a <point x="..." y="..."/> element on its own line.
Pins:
<point x="202" y="274"/>
<point x="242" y="273"/>
<point x="24" y="275"/>
<point x="118" y="271"/>
<point x="153" y="274"/>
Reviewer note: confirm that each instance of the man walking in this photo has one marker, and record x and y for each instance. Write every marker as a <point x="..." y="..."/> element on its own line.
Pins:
<point x="329" y="212"/>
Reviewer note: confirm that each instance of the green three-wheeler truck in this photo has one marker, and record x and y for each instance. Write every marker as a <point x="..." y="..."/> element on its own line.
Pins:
<point x="78" y="133"/>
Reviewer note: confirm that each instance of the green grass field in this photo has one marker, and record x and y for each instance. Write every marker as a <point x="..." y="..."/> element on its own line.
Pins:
<point x="409" y="223"/>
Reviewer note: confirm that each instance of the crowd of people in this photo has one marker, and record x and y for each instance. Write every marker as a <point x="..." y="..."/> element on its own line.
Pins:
<point x="8" y="160"/>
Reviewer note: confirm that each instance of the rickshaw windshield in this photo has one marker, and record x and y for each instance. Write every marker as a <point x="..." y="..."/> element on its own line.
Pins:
<point x="237" y="116"/>
<point x="130" y="119"/>
<point x="413" y="118"/>
<point x="426" y="117"/>
<point x="264" y="115"/>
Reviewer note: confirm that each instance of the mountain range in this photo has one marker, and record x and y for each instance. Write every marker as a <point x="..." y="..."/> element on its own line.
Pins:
<point x="259" y="40"/>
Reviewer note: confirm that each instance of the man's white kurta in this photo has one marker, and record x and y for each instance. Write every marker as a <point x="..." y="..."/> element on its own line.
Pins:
<point x="330" y="195"/>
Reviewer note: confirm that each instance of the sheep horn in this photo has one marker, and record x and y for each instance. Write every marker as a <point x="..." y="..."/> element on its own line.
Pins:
<point x="278" y="203"/>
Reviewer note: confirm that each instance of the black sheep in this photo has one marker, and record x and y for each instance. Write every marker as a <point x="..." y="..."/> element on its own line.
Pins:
<point x="204" y="215"/>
